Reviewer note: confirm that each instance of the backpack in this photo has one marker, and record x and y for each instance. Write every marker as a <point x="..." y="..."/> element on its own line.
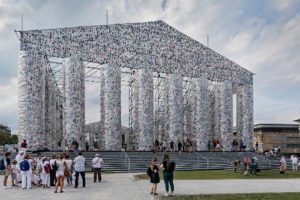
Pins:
<point x="2" y="164"/>
<point x="149" y="172"/>
<point x="54" y="166"/>
<point x="24" y="165"/>
<point x="47" y="168"/>
<point x="170" y="166"/>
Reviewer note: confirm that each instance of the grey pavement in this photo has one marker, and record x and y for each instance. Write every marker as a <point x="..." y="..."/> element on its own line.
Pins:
<point x="123" y="186"/>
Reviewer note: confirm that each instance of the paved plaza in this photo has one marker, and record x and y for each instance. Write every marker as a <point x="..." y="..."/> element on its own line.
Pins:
<point x="123" y="186"/>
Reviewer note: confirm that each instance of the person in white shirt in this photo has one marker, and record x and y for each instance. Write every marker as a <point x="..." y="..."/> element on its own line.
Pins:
<point x="45" y="165"/>
<point x="164" y="145"/>
<point x="38" y="160"/>
<point x="97" y="163"/>
<point x="14" y="173"/>
<point x="79" y="162"/>
<point x="60" y="172"/>
<point x="19" y="158"/>
<point x="294" y="160"/>
<point x="282" y="164"/>
<point x="27" y="174"/>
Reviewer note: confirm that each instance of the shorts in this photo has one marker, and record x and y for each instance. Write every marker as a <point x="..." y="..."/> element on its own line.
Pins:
<point x="218" y="145"/>
<point x="6" y="172"/>
<point x="14" y="176"/>
<point x="59" y="173"/>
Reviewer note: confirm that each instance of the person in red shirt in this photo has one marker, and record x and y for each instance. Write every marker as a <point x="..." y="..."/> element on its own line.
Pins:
<point x="218" y="144"/>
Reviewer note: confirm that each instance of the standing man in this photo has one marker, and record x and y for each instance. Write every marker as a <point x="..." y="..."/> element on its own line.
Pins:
<point x="179" y="146"/>
<point x="7" y="169"/>
<point x="172" y="146"/>
<point x="97" y="163"/>
<point x="253" y="165"/>
<point x="24" y="146"/>
<point x="79" y="162"/>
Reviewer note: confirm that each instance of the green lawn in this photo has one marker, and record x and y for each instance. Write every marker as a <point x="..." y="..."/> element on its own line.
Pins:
<point x="257" y="196"/>
<point x="225" y="174"/>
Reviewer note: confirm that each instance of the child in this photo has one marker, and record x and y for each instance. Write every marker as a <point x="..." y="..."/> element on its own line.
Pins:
<point x="154" y="176"/>
<point x="45" y="172"/>
<point x="14" y="173"/>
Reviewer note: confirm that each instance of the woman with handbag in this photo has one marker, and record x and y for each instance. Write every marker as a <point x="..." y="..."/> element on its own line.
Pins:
<point x="70" y="167"/>
<point x="60" y="172"/>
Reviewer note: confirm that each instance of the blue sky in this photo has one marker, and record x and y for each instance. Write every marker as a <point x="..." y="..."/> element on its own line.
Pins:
<point x="262" y="36"/>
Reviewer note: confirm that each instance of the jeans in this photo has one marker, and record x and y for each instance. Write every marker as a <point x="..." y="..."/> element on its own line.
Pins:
<point x="253" y="167"/>
<point x="97" y="171"/>
<point x="168" y="178"/>
<point x="82" y="174"/>
<point x="52" y="177"/>
<point x="69" y="179"/>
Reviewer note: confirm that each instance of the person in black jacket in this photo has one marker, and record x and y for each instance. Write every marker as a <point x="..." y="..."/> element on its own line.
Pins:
<point x="154" y="176"/>
<point x="168" y="168"/>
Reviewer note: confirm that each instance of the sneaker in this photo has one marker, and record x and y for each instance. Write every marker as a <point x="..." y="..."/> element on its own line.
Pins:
<point x="5" y="187"/>
<point x="151" y="192"/>
<point x="166" y="194"/>
<point x="155" y="194"/>
<point x="172" y="192"/>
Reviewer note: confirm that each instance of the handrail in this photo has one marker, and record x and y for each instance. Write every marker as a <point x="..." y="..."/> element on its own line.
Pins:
<point x="127" y="162"/>
<point x="142" y="159"/>
<point x="207" y="160"/>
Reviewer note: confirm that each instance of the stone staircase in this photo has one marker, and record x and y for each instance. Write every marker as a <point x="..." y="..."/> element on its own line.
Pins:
<point x="140" y="161"/>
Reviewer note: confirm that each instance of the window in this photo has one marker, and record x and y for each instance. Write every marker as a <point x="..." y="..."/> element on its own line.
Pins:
<point x="293" y="145"/>
<point x="293" y="138"/>
<point x="279" y="138"/>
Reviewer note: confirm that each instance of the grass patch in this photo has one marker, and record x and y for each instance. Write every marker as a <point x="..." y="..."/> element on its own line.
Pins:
<point x="255" y="196"/>
<point x="224" y="174"/>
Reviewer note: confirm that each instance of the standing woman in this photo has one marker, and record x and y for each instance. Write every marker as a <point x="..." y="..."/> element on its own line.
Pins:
<point x="154" y="176"/>
<point x="282" y="164"/>
<point x="168" y="168"/>
<point x="45" y="172"/>
<point x="61" y="166"/>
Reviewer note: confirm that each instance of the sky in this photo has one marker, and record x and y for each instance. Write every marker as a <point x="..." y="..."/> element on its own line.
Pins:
<point x="263" y="36"/>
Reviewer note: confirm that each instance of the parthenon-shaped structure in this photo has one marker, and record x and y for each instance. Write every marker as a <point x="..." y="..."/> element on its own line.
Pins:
<point x="48" y="113"/>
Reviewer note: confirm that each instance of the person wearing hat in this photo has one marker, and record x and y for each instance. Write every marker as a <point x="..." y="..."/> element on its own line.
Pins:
<point x="97" y="163"/>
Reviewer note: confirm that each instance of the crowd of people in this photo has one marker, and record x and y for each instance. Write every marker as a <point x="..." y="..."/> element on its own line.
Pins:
<point x="47" y="172"/>
<point x="174" y="146"/>
<point x="251" y="164"/>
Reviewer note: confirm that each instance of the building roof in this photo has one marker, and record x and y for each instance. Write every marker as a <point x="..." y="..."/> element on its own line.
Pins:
<point x="152" y="45"/>
<point x="4" y="126"/>
<point x="259" y="126"/>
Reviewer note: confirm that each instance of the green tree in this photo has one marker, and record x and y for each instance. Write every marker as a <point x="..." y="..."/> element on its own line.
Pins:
<point x="4" y="138"/>
<point x="14" y="139"/>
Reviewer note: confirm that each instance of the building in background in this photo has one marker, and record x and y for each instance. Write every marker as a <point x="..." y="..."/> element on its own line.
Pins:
<point x="298" y="120"/>
<point x="6" y="129"/>
<point x="285" y="136"/>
